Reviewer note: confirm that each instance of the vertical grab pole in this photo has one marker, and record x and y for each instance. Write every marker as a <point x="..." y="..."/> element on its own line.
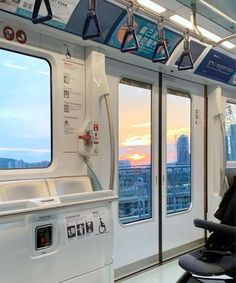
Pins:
<point x="112" y="141"/>
<point x="222" y="126"/>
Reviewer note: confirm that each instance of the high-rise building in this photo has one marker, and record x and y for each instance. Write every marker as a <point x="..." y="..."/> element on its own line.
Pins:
<point x="183" y="156"/>
<point x="124" y="163"/>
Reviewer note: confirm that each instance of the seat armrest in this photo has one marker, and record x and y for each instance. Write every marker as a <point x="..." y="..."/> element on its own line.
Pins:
<point x="215" y="227"/>
<point x="216" y="252"/>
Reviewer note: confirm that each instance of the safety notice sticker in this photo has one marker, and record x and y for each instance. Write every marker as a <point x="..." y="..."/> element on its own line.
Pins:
<point x="73" y="97"/>
<point x="86" y="225"/>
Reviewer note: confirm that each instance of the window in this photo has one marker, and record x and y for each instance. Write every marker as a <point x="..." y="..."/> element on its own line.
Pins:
<point x="135" y="185"/>
<point x="25" y="111"/>
<point x="178" y="167"/>
<point x="230" y="131"/>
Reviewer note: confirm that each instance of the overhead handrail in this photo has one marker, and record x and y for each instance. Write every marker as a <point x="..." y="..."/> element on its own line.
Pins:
<point x="186" y="54"/>
<point x="195" y="32"/>
<point x="202" y="38"/>
<point x="35" y="15"/>
<point x="161" y="45"/>
<point x="130" y="33"/>
<point x="91" y="16"/>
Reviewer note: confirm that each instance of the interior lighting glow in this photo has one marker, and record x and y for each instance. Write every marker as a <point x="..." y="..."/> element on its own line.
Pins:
<point x="228" y="44"/>
<point x="152" y="6"/>
<point x="208" y="34"/>
<point x="182" y="21"/>
<point x="218" y="11"/>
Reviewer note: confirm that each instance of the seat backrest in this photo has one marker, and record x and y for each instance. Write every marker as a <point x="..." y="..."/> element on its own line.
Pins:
<point x="226" y="211"/>
<point x="230" y="212"/>
<point x="227" y="214"/>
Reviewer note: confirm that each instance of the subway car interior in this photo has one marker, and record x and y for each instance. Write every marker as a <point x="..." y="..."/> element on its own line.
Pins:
<point x="118" y="148"/>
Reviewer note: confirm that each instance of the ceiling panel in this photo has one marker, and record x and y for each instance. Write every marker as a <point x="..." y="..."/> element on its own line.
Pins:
<point x="228" y="7"/>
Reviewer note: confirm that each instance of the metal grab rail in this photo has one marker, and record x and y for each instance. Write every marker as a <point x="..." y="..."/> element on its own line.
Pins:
<point x="222" y="127"/>
<point x="130" y="33"/>
<point x="25" y="211"/>
<point x="112" y="142"/>
<point x="193" y="18"/>
<point x="186" y="54"/>
<point x="91" y="16"/>
<point x="161" y="45"/>
<point x="35" y="19"/>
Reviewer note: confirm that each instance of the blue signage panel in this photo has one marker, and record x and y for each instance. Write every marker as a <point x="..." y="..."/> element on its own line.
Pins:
<point x="147" y="35"/>
<point x="218" y="66"/>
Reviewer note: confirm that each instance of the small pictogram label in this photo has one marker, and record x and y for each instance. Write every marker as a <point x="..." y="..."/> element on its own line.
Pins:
<point x="8" y="33"/>
<point x="21" y="36"/>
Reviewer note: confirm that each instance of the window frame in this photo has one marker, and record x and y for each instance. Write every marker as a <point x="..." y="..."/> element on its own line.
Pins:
<point x="230" y="164"/>
<point x="50" y="108"/>
<point x="149" y="86"/>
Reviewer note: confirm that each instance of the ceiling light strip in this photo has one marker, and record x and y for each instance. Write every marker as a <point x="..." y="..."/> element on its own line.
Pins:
<point x="218" y="11"/>
<point x="152" y="6"/>
<point x="210" y="35"/>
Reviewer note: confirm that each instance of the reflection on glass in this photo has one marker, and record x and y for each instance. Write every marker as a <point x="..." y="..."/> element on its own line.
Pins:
<point x="135" y="189"/>
<point x="230" y="131"/>
<point x="178" y="167"/>
<point x="25" y="116"/>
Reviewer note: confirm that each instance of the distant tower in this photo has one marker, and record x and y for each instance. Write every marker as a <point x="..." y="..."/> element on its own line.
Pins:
<point x="183" y="150"/>
<point x="230" y="133"/>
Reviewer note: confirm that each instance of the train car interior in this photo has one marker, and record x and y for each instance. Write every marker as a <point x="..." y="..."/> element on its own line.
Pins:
<point x="118" y="141"/>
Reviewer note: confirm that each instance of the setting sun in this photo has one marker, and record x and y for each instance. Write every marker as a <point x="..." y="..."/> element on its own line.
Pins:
<point x="136" y="157"/>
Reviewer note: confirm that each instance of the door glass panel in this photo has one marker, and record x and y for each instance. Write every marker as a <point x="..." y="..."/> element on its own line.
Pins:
<point x="135" y="186"/>
<point x="178" y="167"/>
<point x="230" y="131"/>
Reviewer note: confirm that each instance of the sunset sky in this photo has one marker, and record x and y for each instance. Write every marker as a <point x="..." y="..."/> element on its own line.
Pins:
<point x="25" y="107"/>
<point x="135" y="122"/>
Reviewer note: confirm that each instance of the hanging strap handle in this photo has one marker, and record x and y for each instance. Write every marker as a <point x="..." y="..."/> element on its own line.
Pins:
<point x="130" y="33"/>
<point x="35" y="19"/>
<point x="161" y="45"/>
<point x="186" y="54"/>
<point x="91" y="16"/>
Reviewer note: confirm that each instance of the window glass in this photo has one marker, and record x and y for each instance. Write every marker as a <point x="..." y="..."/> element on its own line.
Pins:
<point x="230" y="131"/>
<point x="25" y="111"/>
<point x="178" y="167"/>
<point x="135" y="186"/>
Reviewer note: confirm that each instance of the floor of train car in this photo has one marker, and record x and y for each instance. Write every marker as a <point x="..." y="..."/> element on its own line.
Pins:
<point x="169" y="272"/>
<point x="166" y="273"/>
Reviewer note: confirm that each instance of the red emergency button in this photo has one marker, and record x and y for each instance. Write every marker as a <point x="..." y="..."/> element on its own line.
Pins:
<point x="87" y="138"/>
<point x="42" y="240"/>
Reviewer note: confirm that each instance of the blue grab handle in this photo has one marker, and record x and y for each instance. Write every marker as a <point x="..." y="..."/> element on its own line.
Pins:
<point x="129" y="32"/>
<point x="161" y="43"/>
<point x="35" y="19"/>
